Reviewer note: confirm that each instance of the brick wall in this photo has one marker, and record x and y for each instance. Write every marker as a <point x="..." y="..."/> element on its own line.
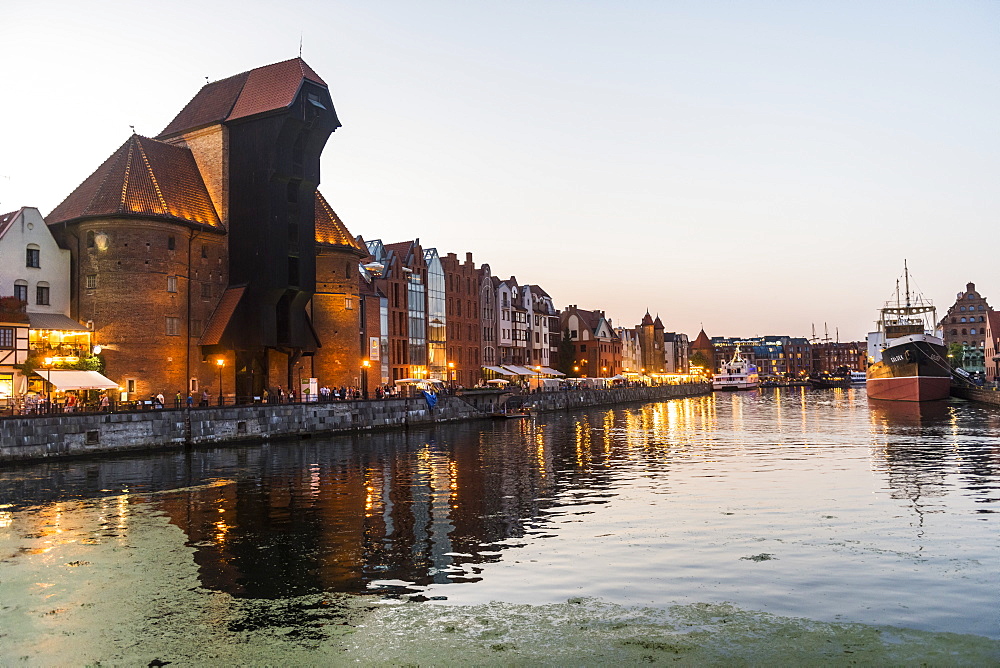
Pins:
<point x="131" y="266"/>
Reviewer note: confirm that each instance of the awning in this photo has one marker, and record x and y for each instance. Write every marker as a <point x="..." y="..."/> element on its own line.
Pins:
<point x="551" y="372"/>
<point x="55" y="321"/>
<point x="500" y="370"/>
<point x="520" y="370"/>
<point x="67" y="379"/>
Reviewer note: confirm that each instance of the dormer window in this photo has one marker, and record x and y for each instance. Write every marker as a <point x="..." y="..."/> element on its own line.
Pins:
<point x="315" y="100"/>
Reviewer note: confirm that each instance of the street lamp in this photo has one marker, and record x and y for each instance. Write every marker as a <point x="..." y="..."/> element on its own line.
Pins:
<point x="364" y="378"/>
<point x="451" y="375"/>
<point x="220" y="363"/>
<point x="538" y="378"/>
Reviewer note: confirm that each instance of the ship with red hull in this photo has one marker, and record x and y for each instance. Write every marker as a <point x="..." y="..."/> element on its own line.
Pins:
<point x="907" y="361"/>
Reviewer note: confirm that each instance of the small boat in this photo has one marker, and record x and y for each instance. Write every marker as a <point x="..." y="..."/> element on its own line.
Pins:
<point x="839" y="378"/>
<point x="909" y="362"/>
<point x="517" y="414"/>
<point x="736" y="374"/>
<point x="858" y="377"/>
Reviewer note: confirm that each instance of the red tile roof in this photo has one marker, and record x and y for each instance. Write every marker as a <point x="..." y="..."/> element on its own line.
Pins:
<point x="224" y="310"/>
<point x="330" y="229"/>
<point x="247" y="94"/>
<point x="144" y="177"/>
<point x="701" y="342"/>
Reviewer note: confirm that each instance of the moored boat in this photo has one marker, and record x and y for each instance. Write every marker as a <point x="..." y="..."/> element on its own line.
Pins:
<point x="736" y="374"/>
<point x="907" y="361"/>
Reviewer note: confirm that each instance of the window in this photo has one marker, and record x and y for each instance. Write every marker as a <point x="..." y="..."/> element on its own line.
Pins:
<point x="963" y="319"/>
<point x="130" y="385"/>
<point x="349" y="303"/>
<point x="206" y="290"/>
<point x="171" y="284"/>
<point x="194" y="385"/>
<point x="90" y="239"/>
<point x="972" y="331"/>
<point x="204" y="250"/>
<point x="6" y="338"/>
<point x="972" y="295"/>
<point x="173" y="326"/>
<point x="91" y="282"/>
<point x="33" y="256"/>
<point x="196" y="329"/>
<point x="42" y="294"/>
<point x="21" y="290"/>
<point x="171" y="243"/>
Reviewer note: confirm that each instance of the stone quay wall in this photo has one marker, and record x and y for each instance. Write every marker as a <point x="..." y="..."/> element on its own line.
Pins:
<point x="66" y="435"/>
<point x="976" y="394"/>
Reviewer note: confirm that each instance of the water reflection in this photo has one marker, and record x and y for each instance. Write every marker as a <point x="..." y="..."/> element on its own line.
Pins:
<point x="404" y="509"/>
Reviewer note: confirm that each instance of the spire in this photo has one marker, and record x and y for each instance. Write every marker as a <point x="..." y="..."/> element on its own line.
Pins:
<point x="647" y="319"/>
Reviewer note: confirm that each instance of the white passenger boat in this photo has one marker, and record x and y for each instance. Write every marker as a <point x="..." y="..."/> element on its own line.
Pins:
<point x="736" y="374"/>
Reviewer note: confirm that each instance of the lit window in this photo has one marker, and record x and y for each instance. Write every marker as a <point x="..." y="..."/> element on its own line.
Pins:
<point x="348" y="303"/>
<point x="91" y="281"/>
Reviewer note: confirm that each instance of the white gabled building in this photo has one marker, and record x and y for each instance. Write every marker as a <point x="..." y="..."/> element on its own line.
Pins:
<point x="32" y="266"/>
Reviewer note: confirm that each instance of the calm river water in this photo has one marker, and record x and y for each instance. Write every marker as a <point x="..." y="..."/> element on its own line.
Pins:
<point x="780" y="525"/>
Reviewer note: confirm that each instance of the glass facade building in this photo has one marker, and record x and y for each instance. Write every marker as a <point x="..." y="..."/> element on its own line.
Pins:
<point x="437" y="332"/>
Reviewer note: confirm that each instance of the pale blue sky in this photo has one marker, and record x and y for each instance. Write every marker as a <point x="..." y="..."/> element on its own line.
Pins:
<point x="756" y="166"/>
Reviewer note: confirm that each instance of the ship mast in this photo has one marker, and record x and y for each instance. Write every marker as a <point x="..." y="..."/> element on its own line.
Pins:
<point x="906" y="272"/>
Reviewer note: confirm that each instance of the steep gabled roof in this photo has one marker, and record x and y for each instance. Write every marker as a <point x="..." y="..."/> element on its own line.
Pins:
<point x="657" y="324"/>
<point x="647" y="319"/>
<point x="7" y="219"/>
<point x="330" y="229"/>
<point x="250" y="93"/>
<point x="144" y="177"/>
<point x="702" y="341"/>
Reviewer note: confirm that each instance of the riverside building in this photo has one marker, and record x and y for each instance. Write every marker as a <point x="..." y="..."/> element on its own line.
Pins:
<point x="212" y="227"/>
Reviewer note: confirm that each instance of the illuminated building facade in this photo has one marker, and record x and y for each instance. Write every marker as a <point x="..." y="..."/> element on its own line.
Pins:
<point x="966" y="324"/>
<point x="464" y="332"/>
<point x="597" y="349"/>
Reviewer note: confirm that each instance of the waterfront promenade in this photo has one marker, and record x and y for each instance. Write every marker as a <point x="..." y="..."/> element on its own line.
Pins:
<point x="75" y="434"/>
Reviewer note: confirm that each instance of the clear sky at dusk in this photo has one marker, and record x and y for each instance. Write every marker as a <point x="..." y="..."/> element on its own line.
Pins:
<point x="753" y="166"/>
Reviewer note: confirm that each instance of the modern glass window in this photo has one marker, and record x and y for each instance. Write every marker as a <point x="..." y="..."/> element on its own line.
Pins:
<point x="417" y="316"/>
<point x="437" y="326"/>
<point x="33" y="256"/>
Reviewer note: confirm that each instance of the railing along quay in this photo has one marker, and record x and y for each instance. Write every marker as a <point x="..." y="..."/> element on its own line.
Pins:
<point x="86" y="433"/>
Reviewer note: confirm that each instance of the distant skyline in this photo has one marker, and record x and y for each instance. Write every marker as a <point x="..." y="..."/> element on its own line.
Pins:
<point x="758" y="167"/>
